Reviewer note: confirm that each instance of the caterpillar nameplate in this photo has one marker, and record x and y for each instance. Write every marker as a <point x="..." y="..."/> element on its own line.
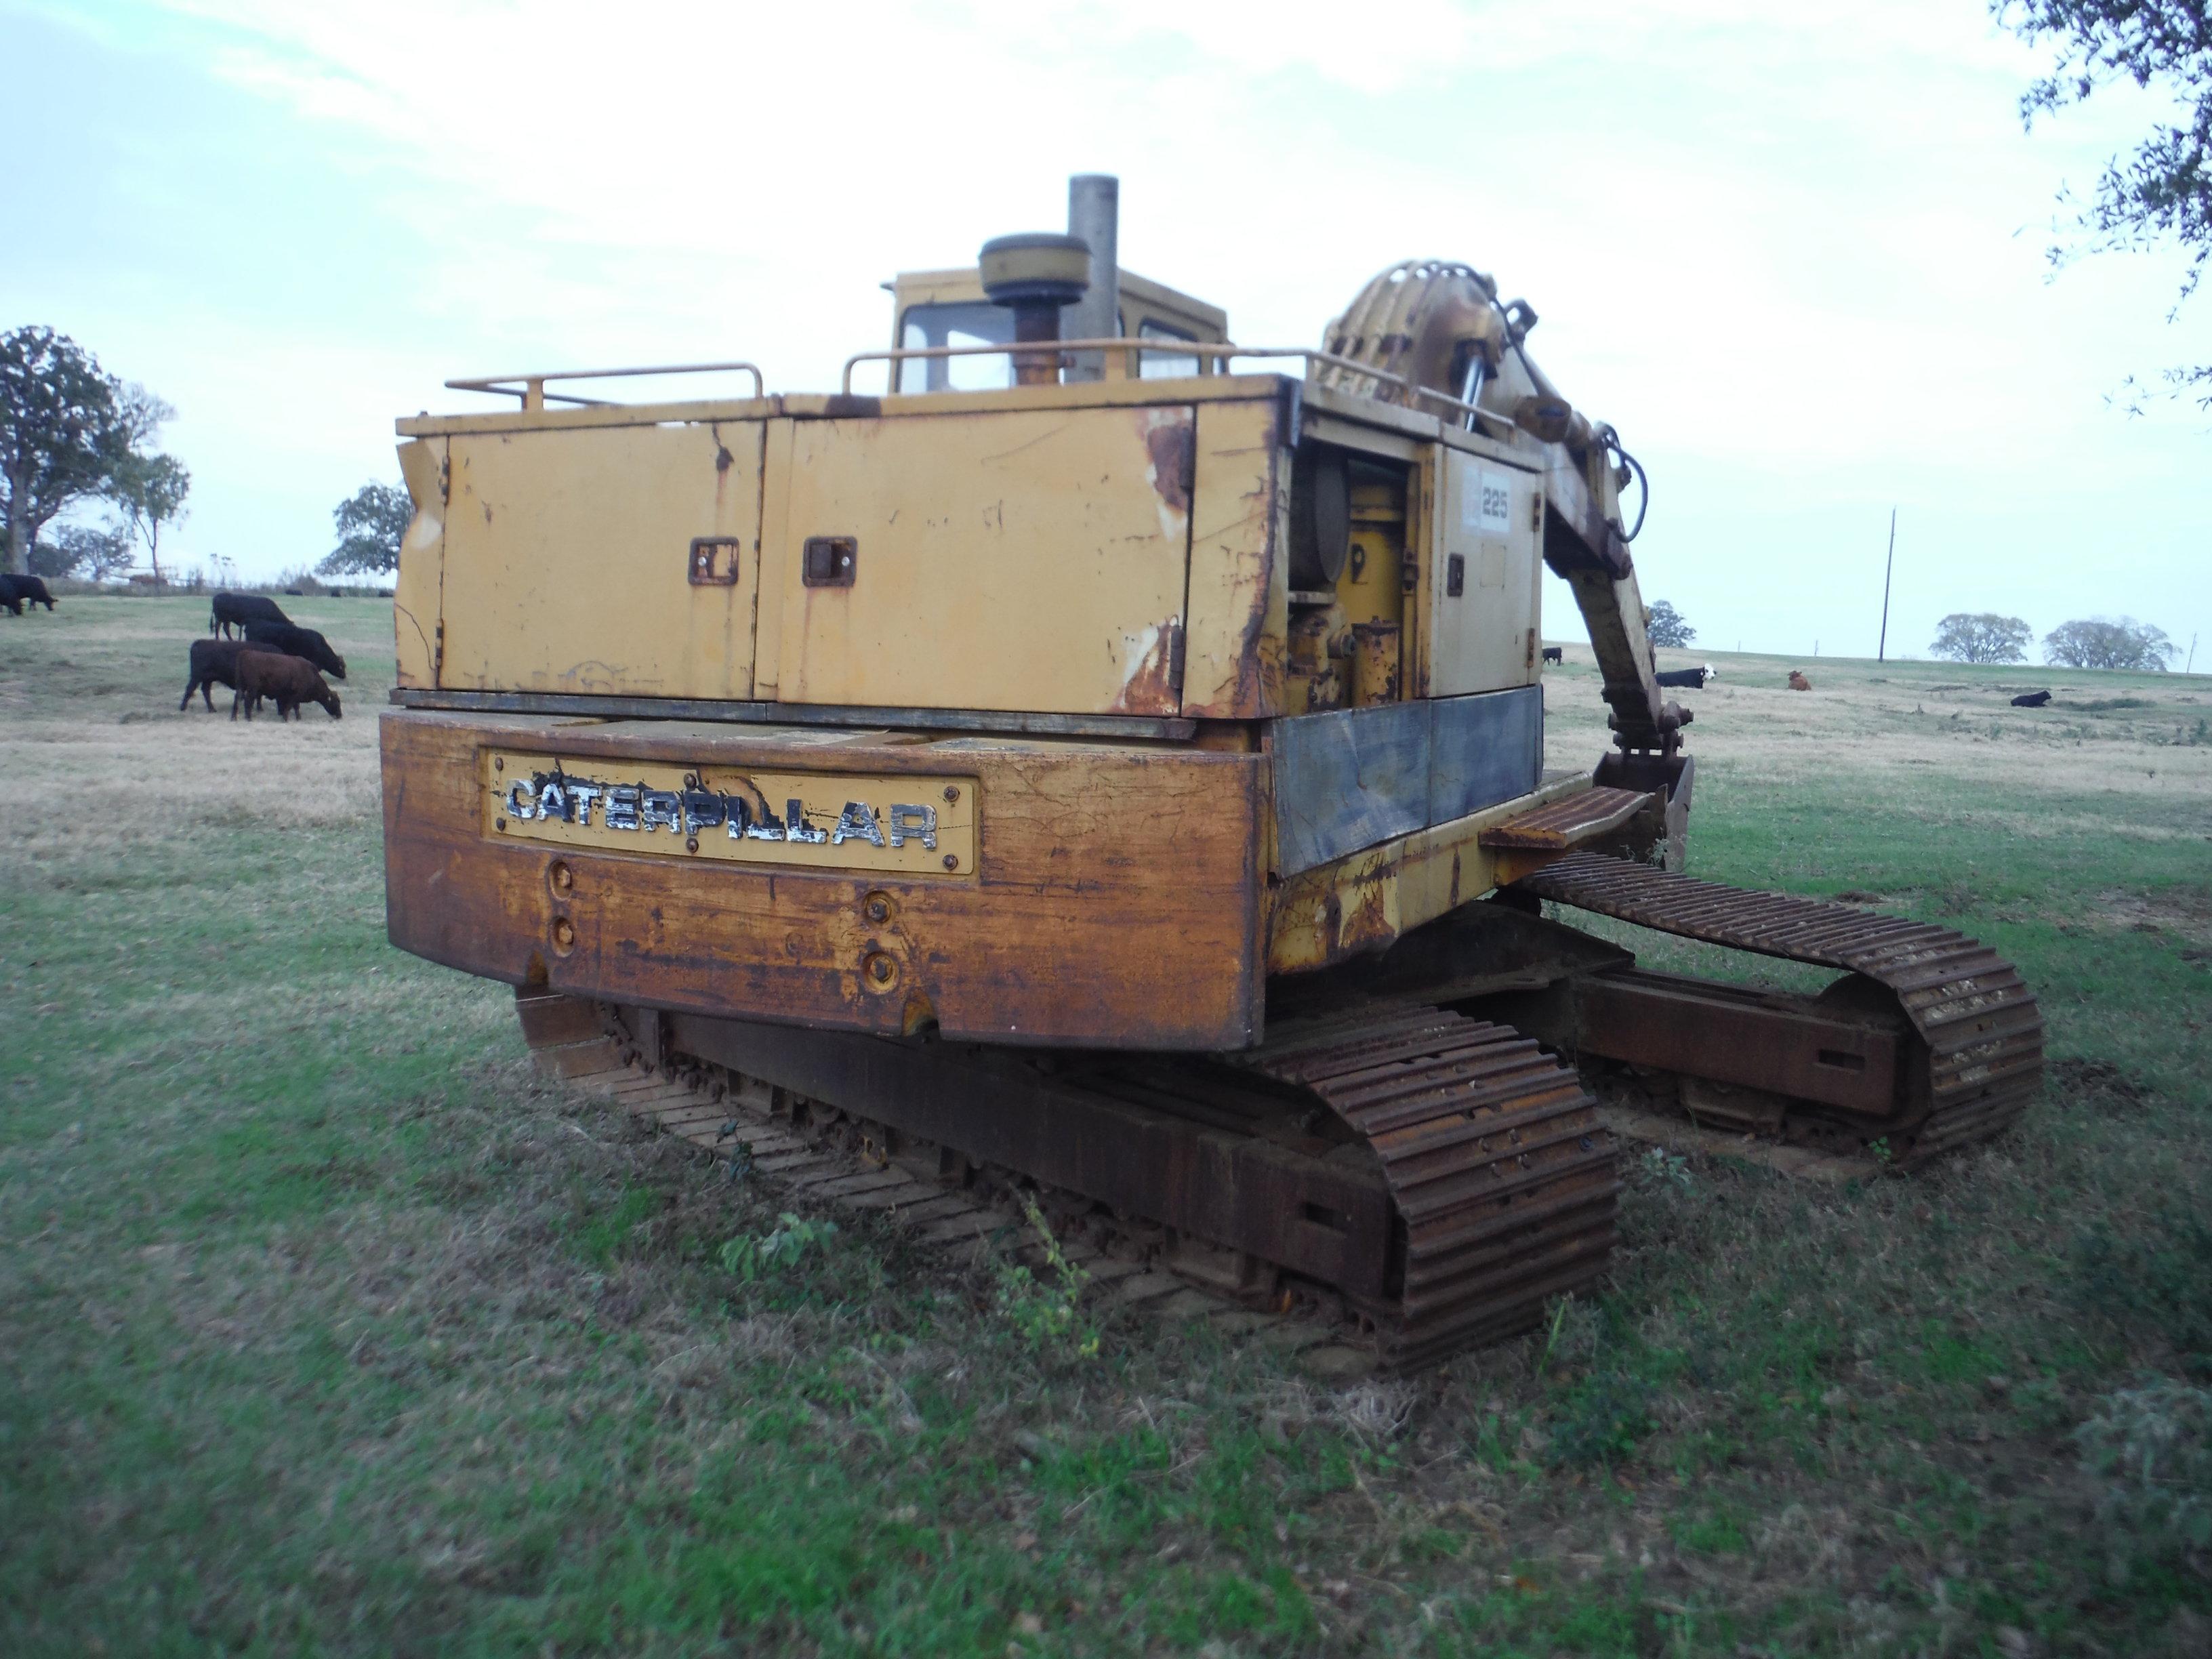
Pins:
<point x="818" y="820"/>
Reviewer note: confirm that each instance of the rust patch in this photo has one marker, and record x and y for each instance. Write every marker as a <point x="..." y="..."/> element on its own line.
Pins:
<point x="1367" y="924"/>
<point x="1261" y="666"/>
<point x="1152" y="686"/>
<point x="1172" y="446"/>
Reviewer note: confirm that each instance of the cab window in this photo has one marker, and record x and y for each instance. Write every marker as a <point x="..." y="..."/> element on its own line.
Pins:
<point x="1165" y="365"/>
<point x="974" y="323"/>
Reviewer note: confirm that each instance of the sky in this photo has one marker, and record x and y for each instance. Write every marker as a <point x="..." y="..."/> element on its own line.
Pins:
<point x="1798" y="258"/>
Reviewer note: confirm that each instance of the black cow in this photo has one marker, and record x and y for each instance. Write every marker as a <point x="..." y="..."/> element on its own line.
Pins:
<point x="1557" y="654"/>
<point x="215" y="662"/>
<point x="2031" y="700"/>
<point x="1693" y="678"/>
<point x="11" y="597"/>
<point x="236" y="609"/>
<point x="32" y="590"/>
<point x="297" y="642"/>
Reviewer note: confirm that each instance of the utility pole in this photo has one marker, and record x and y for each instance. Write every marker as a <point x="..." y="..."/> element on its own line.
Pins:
<point x="1882" y="650"/>
<point x="2190" y="667"/>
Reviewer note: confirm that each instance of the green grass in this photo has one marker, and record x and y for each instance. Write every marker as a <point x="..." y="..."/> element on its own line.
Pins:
<point x="325" y="1328"/>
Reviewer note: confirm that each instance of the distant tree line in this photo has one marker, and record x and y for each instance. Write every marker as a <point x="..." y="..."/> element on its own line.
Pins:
<point x="1985" y="637"/>
<point x="70" y="434"/>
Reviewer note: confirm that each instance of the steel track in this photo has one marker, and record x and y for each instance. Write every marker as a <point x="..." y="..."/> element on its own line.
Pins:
<point x="1979" y="1062"/>
<point x="1496" y="1184"/>
<point x="1504" y="1181"/>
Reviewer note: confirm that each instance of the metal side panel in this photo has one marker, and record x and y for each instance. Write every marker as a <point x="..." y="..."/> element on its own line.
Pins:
<point x="1348" y="779"/>
<point x="1020" y="560"/>
<point x="1354" y="778"/>
<point x="1484" y="750"/>
<point x="1484" y="599"/>
<point x="620" y="560"/>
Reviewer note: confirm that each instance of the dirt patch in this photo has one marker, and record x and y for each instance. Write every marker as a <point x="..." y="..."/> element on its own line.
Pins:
<point x="2177" y="911"/>
<point x="2096" y="1082"/>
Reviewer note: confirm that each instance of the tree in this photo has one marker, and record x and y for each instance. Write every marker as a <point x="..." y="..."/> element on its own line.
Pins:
<point x="140" y="415"/>
<point x="61" y="432"/>
<point x="80" y="550"/>
<point x="2162" y="189"/>
<point x="150" y="491"/>
<point x="1981" y="637"/>
<point x="371" y="526"/>
<point x="2098" y="643"/>
<point x="1665" y="626"/>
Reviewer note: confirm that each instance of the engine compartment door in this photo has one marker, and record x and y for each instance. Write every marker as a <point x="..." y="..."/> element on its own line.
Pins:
<point x="1483" y="594"/>
<point x="1023" y="559"/>
<point x="606" y="560"/>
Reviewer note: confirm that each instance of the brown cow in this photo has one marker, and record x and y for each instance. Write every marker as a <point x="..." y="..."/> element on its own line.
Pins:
<point x="290" y="681"/>
<point x="1798" y="681"/>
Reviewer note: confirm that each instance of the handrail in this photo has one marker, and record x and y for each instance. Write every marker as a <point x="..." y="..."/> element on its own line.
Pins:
<point x="1219" y="351"/>
<point x="531" y="388"/>
<point x="1216" y="349"/>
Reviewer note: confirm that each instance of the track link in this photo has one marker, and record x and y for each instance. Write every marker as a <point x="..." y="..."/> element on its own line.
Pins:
<point x="1504" y="1181"/>
<point x="1979" y="1062"/>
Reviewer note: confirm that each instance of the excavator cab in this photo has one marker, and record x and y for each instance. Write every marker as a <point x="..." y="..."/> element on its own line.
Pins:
<point x="935" y="308"/>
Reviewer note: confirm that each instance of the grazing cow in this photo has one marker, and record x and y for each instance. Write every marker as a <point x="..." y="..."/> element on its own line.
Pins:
<point x="297" y="642"/>
<point x="11" y="597"/>
<point x="215" y="662"/>
<point x="1557" y="654"/>
<point x="286" y="681"/>
<point x="236" y="609"/>
<point x="2033" y="700"/>
<point x="1798" y="681"/>
<point x="1693" y="678"/>
<point x="32" y="590"/>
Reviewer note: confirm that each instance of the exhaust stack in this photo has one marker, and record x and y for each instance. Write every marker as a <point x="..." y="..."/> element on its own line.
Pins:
<point x="1094" y="213"/>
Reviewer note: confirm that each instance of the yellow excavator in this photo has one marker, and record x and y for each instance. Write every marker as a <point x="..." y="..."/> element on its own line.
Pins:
<point x="1110" y="758"/>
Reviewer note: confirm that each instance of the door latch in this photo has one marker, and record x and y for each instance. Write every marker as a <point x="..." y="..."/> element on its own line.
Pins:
<point x="714" y="561"/>
<point x="829" y="560"/>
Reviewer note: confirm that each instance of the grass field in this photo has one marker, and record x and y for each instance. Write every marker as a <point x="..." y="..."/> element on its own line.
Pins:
<point x="325" y="1328"/>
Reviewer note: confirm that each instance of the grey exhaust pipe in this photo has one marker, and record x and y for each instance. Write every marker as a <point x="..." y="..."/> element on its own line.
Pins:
<point x="1094" y="213"/>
